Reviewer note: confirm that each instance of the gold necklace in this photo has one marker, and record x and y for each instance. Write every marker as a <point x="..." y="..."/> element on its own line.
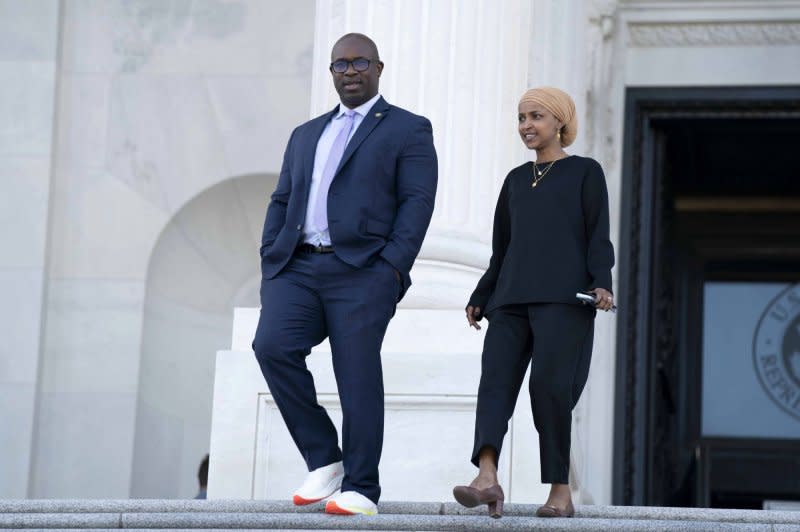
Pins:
<point x="538" y="175"/>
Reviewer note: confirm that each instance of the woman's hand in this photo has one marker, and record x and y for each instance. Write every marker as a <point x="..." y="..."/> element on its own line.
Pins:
<point x="604" y="300"/>
<point x="473" y="315"/>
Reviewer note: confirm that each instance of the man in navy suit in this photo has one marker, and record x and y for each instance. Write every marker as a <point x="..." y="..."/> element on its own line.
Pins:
<point x="346" y="221"/>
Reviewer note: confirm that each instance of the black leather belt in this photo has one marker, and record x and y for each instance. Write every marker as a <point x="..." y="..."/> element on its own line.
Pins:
<point x="311" y="248"/>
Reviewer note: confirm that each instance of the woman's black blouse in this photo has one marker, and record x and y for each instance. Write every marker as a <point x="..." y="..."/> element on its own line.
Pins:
<point x="551" y="241"/>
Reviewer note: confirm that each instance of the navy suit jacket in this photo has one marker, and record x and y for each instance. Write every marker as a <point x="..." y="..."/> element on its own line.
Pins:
<point x="380" y="201"/>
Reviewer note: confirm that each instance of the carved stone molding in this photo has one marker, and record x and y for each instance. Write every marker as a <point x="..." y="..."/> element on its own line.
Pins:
<point x="648" y="35"/>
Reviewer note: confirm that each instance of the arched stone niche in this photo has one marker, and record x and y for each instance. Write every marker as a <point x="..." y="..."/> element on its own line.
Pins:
<point x="204" y="263"/>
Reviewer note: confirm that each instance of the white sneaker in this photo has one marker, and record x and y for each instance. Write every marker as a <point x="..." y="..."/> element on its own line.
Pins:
<point x="350" y="503"/>
<point x="320" y="483"/>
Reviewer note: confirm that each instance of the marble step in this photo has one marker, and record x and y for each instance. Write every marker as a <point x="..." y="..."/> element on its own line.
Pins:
<point x="264" y="515"/>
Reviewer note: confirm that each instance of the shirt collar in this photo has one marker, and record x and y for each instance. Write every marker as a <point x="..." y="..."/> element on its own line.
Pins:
<point x="361" y="110"/>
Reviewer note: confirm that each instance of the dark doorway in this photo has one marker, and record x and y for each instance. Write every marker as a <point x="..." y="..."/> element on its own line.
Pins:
<point x="710" y="239"/>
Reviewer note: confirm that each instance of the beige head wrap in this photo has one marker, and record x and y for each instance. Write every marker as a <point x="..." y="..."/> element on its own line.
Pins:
<point x="561" y="105"/>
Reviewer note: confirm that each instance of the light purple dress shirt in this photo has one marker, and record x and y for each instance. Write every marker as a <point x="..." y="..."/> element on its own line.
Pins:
<point x="320" y="235"/>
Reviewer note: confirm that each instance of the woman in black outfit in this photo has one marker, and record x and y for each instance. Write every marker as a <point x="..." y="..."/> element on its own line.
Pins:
<point x="550" y="240"/>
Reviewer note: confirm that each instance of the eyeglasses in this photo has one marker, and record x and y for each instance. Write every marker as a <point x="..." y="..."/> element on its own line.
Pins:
<point x="360" y="64"/>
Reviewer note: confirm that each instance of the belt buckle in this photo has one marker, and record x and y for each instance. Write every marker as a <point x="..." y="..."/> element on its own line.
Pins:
<point x="320" y="249"/>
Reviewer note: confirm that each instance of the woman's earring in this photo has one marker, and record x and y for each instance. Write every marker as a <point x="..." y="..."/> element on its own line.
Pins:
<point x="559" y="135"/>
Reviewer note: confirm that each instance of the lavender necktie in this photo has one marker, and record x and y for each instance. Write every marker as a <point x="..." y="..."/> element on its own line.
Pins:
<point x="334" y="157"/>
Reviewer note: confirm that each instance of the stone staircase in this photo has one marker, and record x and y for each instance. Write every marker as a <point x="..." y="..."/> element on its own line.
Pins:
<point x="271" y="515"/>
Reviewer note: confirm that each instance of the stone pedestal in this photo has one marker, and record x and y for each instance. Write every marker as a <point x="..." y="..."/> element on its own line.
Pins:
<point x="431" y="366"/>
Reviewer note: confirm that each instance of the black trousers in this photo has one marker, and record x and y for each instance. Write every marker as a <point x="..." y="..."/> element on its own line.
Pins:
<point x="557" y="338"/>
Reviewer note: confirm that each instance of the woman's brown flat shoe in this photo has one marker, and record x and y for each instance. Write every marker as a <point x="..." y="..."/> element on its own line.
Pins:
<point x="551" y="511"/>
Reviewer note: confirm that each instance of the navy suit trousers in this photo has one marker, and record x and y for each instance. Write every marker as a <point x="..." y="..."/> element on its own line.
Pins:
<point x="317" y="296"/>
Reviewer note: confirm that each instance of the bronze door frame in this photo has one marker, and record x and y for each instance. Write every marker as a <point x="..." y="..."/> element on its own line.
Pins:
<point x="648" y="329"/>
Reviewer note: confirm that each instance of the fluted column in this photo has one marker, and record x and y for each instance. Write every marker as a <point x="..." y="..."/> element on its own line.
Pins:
<point x="558" y="54"/>
<point x="461" y="63"/>
<point x="464" y="64"/>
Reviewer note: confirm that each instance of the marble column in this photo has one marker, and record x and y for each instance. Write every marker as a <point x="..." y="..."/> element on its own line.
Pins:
<point x="462" y="64"/>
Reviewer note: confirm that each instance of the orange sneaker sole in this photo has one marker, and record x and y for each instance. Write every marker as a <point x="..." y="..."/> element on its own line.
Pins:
<point x="299" y="501"/>
<point x="333" y="508"/>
